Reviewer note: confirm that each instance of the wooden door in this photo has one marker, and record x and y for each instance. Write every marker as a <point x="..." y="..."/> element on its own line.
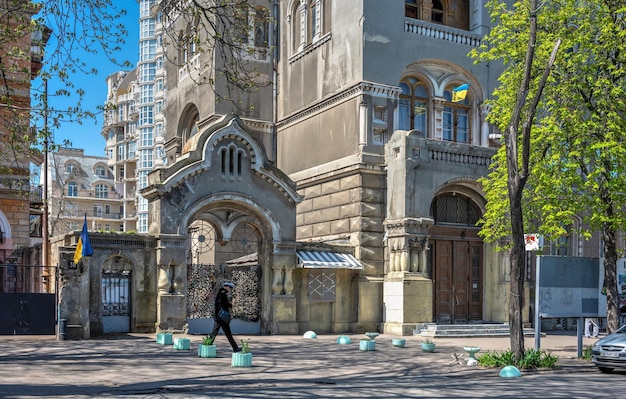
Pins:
<point x="458" y="281"/>
<point x="442" y="271"/>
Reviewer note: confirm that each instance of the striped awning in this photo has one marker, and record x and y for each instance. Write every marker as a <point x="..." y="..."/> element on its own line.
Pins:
<point x="323" y="259"/>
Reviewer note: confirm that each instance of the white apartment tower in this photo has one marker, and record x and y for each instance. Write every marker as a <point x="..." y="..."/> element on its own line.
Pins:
<point x="134" y="124"/>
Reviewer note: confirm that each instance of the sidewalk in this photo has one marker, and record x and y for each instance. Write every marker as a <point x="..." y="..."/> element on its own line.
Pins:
<point x="135" y="364"/>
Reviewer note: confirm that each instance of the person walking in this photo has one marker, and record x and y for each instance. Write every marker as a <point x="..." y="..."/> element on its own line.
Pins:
<point x="222" y="304"/>
<point x="591" y="323"/>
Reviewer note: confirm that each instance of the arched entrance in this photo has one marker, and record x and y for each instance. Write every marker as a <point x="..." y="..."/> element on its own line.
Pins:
<point x="224" y="244"/>
<point x="220" y="201"/>
<point x="457" y="258"/>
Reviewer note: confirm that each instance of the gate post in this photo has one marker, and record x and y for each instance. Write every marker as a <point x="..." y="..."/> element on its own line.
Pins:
<point x="171" y="300"/>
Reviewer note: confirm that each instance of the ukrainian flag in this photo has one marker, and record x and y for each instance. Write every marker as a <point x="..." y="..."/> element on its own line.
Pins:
<point x="459" y="93"/>
<point x="84" y="246"/>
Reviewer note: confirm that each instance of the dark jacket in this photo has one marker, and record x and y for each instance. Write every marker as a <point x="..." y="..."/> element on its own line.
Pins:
<point x="221" y="301"/>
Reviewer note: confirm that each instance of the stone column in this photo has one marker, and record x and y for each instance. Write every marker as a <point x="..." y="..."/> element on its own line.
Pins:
<point x="407" y="289"/>
<point x="172" y="284"/>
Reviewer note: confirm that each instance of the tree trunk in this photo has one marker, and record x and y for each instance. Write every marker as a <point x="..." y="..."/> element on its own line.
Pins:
<point x="610" y="279"/>
<point x="518" y="260"/>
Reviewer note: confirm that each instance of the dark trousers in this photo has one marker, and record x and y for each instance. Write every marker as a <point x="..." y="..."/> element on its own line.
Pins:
<point x="226" y="328"/>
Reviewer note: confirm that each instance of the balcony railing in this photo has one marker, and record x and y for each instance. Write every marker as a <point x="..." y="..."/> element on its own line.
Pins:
<point x="441" y="32"/>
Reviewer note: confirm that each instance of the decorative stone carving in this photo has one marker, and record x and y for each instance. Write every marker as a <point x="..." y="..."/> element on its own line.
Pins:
<point x="165" y="279"/>
<point x="277" y="282"/>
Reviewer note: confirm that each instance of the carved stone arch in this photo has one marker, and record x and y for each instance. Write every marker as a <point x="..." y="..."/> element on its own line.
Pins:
<point x="193" y="188"/>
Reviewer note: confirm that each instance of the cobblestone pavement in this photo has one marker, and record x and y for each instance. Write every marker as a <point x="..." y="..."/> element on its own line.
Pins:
<point x="135" y="366"/>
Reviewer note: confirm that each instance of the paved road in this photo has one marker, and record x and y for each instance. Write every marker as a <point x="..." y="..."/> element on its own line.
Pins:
<point x="134" y="366"/>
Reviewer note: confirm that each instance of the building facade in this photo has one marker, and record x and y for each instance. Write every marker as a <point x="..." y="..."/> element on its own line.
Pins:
<point x="82" y="186"/>
<point x="384" y="161"/>
<point x="348" y="178"/>
<point x="18" y="68"/>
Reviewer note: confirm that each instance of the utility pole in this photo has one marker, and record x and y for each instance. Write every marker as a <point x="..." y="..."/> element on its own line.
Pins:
<point x="46" y="244"/>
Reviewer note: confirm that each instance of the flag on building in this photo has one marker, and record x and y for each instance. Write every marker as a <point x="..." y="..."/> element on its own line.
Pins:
<point x="84" y="246"/>
<point x="459" y="93"/>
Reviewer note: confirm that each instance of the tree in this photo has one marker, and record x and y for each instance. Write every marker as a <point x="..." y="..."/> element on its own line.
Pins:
<point x="570" y="172"/>
<point x="61" y="27"/>
<point x="514" y="112"/>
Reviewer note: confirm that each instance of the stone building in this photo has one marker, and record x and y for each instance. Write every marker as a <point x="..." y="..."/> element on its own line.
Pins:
<point x="348" y="186"/>
<point x="17" y="69"/>
<point x="382" y="160"/>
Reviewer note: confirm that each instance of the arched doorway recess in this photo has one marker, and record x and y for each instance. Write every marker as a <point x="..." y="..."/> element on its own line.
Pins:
<point x="456" y="251"/>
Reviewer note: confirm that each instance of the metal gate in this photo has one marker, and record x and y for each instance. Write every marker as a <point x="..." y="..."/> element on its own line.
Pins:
<point x="27" y="300"/>
<point x="116" y="301"/>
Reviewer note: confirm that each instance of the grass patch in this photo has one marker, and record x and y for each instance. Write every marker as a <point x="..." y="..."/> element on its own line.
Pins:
<point x="532" y="359"/>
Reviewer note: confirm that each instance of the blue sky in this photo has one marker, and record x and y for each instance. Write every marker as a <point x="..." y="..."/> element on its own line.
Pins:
<point x="88" y="134"/>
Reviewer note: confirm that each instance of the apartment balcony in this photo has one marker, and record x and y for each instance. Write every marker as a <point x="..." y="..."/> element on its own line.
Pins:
<point x="36" y="197"/>
<point x="441" y="32"/>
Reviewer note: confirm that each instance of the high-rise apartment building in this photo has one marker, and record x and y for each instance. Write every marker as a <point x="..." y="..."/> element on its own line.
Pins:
<point x="134" y="125"/>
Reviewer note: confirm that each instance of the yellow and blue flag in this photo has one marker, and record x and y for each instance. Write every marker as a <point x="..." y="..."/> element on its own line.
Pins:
<point x="84" y="246"/>
<point x="459" y="93"/>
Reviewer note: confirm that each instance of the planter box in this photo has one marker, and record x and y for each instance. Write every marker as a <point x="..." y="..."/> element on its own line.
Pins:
<point x="164" y="338"/>
<point x="367" y="345"/>
<point x="183" y="344"/>
<point x="428" y="347"/>
<point x="207" y="350"/>
<point x="241" y="359"/>
<point x="398" y="342"/>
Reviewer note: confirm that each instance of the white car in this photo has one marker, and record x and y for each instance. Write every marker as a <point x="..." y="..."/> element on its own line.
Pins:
<point x="609" y="352"/>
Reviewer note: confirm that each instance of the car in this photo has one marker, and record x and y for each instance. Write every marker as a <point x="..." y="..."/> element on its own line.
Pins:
<point x="609" y="352"/>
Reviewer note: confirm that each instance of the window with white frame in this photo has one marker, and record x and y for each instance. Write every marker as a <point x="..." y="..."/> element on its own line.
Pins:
<point x="101" y="171"/>
<point x="102" y="191"/>
<point x="71" y="168"/>
<point x="306" y="20"/>
<point x="72" y="189"/>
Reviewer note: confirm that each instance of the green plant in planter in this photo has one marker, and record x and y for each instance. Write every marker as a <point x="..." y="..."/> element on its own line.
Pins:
<point x="208" y="340"/>
<point x="245" y="346"/>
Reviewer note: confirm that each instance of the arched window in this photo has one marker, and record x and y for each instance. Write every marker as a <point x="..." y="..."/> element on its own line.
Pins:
<point x="71" y="168"/>
<point x="102" y="191"/>
<point x="261" y="27"/>
<point x="438" y="12"/>
<point x="306" y="23"/>
<point x="231" y="161"/>
<point x="101" y="171"/>
<point x="313" y="21"/>
<point x="72" y="189"/>
<point x="456" y="119"/>
<point x="455" y="209"/>
<point x="413" y="106"/>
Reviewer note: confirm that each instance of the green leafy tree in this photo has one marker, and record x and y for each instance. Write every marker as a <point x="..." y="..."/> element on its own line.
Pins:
<point x="567" y="118"/>
<point x="39" y="42"/>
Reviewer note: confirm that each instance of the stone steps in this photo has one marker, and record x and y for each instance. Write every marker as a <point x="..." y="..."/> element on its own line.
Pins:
<point x="467" y="330"/>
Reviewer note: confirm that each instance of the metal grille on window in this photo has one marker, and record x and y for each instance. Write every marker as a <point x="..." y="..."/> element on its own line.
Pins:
<point x="454" y="209"/>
